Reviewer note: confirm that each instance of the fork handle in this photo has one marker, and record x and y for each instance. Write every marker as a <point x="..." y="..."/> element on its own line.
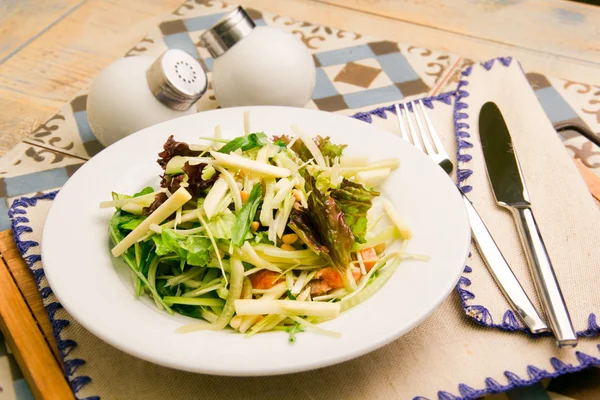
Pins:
<point x="503" y="275"/>
<point x="544" y="278"/>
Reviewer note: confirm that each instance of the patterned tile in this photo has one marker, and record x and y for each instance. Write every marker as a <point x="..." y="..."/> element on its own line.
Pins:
<point x="26" y="158"/>
<point x="357" y="74"/>
<point x="583" y="98"/>
<point x="370" y="97"/>
<point x="555" y="106"/>
<point x="431" y="66"/>
<point x="397" y="67"/>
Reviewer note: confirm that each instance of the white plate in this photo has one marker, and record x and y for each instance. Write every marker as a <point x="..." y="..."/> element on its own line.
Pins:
<point x="97" y="290"/>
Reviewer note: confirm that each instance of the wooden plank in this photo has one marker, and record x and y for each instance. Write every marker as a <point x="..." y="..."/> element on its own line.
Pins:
<point x="40" y="78"/>
<point x="24" y="279"/>
<point x="427" y="37"/>
<point x="22" y="21"/>
<point x="555" y="27"/>
<point x="35" y="359"/>
<point x="24" y="116"/>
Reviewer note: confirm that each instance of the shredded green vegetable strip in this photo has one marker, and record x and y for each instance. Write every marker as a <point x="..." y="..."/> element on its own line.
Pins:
<point x="260" y="234"/>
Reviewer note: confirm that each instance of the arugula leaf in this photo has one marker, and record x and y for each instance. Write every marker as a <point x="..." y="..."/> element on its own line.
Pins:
<point x="133" y="223"/>
<point x="281" y="144"/>
<point x="355" y="201"/>
<point x="245" y="143"/>
<point x="246" y="216"/>
<point x="122" y="220"/>
<point x="164" y="290"/>
<point x="258" y="139"/>
<point x="146" y="190"/>
<point x="292" y="330"/>
<point x="329" y="224"/>
<point x="188" y="311"/>
<point x="233" y="144"/>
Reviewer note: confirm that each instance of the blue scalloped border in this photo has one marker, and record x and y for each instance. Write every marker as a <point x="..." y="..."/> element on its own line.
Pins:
<point x="19" y="221"/>
<point x="514" y="381"/>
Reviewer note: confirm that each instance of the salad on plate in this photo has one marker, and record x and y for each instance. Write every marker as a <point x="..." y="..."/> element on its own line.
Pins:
<point x="260" y="233"/>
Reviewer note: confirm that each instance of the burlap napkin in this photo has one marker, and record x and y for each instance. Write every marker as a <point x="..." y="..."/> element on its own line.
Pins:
<point x="447" y="355"/>
<point x="568" y="218"/>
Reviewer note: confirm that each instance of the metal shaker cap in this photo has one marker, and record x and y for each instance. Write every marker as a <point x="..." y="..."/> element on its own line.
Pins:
<point x="229" y="30"/>
<point x="177" y="79"/>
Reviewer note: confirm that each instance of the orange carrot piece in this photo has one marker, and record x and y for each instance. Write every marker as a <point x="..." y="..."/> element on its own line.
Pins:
<point x="333" y="277"/>
<point x="264" y="279"/>
<point x="369" y="257"/>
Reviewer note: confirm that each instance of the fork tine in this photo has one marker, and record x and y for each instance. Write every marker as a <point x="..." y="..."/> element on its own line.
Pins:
<point x="424" y="136"/>
<point x="403" y="132"/>
<point x="414" y="134"/>
<point x="433" y="133"/>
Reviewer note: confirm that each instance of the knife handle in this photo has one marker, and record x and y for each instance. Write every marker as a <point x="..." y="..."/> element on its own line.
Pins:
<point x="501" y="272"/>
<point x="544" y="278"/>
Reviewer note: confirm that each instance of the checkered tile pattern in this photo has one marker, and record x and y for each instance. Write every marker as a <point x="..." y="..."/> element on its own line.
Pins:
<point x="364" y="75"/>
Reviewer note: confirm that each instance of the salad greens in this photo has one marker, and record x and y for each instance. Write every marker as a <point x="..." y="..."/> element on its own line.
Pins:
<point x="259" y="234"/>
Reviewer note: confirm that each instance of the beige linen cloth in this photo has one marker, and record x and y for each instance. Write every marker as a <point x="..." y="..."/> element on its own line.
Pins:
<point x="448" y="354"/>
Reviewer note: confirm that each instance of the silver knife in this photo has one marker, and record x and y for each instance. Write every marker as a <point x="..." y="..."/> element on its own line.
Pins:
<point x="509" y="189"/>
<point x="501" y="272"/>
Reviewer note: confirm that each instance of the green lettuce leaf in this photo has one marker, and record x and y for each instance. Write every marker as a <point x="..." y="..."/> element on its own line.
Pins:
<point x="328" y="149"/>
<point x="221" y="226"/>
<point x="355" y="201"/>
<point x="194" y="250"/>
<point x="329" y="224"/>
<point x="161" y="249"/>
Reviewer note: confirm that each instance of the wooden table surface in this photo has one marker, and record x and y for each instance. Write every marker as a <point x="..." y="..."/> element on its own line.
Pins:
<point x="51" y="49"/>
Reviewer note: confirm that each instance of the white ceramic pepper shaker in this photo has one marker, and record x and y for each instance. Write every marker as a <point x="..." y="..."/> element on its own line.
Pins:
<point x="134" y="93"/>
<point x="258" y="65"/>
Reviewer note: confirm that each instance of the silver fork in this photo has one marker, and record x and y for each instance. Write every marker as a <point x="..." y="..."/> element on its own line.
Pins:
<point x="418" y="130"/>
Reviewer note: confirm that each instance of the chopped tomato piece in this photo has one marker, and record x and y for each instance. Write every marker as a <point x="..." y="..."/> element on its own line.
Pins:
<point x="369" y="257"/>
<point x="264" y="279"/>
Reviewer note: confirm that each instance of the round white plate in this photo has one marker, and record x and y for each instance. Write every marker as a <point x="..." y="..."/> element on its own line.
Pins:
<point x="97" y="290"/>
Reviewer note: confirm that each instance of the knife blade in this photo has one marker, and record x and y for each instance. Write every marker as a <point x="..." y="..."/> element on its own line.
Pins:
<point x="510" y="191"/>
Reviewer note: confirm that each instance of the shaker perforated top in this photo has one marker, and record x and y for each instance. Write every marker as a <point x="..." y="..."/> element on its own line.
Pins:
<point x="177" y="79"/>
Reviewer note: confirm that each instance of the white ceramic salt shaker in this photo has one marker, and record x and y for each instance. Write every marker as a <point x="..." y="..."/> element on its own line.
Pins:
<point x="258" y="65"/>
<point x="134" y="93"/>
